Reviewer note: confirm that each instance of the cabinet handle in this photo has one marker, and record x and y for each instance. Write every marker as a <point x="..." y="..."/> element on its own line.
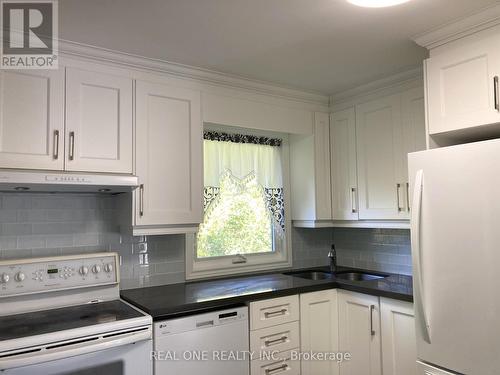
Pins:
<point x="408" y="196"/>
<point x="56" y="144"/>
<point x="275" y="370"/>
<point x="275" y="313"/>
<point x="372" y="331"/>
<point x="353" y="200"/>
<point x="496" y="93"/>
<point x="141" y="200"/>
<point x="275" y="341"/>
<point x="71" y="145"/>
<point x="398" y="188"/>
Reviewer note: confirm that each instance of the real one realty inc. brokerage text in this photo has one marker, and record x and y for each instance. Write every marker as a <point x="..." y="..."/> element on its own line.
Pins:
<point x="244" y="355"/>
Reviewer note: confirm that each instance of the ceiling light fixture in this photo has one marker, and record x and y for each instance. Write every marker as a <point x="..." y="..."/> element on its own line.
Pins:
<point x="377" y="3"/>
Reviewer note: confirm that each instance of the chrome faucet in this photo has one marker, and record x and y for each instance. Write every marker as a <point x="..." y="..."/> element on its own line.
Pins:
<point x="332" y="254"/>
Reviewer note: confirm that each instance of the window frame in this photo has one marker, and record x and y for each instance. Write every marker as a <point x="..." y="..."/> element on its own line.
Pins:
<point x="278" y="259"/>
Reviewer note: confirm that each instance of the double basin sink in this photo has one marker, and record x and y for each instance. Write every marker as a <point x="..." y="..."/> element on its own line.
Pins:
<point x="344" y="275"/>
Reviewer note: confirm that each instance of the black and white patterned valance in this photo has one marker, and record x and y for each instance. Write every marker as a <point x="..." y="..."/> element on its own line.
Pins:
<point x="241" y="138"/>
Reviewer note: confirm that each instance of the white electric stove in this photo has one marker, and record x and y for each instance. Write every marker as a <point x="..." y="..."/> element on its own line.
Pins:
<point x="63" y="315"/>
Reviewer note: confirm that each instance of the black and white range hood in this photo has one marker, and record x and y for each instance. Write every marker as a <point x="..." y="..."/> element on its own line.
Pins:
<point x="65" y="182"/>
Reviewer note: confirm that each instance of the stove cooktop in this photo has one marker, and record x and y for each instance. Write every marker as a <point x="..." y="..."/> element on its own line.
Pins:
<point x="55" y="320"/>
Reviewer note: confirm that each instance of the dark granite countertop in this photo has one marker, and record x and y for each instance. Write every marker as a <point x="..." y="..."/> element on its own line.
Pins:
<point x="168" y="301"/>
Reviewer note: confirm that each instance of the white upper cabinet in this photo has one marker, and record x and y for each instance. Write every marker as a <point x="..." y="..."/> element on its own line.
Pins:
<point x="359" y="333"/>
<point x="310" y="172"/>
<point x="99" y="130"/>
<point x="461" y="88"/>
<point x="379" y="149"/>
<point x="169" y="160"/>
<point x="32" y="119"/>
<point x="343" y="165"/>
<point x="399" y="343"/>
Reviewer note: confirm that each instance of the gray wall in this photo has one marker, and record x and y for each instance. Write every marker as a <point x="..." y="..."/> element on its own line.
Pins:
<point x="33" y="225"/>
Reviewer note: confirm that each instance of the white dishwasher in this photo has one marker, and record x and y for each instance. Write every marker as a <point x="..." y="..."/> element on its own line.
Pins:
<point x="213" y="343"/>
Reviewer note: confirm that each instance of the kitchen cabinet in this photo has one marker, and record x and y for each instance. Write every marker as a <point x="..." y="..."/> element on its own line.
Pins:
<point x="32" y="119"/>
<point x="461" y="85"/>
<point x="379" y="146"/>
<point x="319" y="330"/>
<point x="359" y="333"/>
<point x="275" y="335"/>
<point x="387" y="129"/>
<point x="399" y="352"/>
<point x="344" y="181"/>
<point x="99" y="131"/>
<point x="310" y="172"/>
<point x="169" y="156"/>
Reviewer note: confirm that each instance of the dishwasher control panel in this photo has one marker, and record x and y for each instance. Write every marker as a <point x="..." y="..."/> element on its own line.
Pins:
<point x="27" y="276"/>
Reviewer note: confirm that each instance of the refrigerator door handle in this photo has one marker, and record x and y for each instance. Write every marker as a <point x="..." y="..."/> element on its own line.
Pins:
<point x="416" y="253"/>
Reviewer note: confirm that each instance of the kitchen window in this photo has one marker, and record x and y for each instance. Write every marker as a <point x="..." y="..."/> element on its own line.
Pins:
<point x="245" y="200"/>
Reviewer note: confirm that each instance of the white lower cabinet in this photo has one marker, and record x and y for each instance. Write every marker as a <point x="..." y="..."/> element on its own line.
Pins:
<point x="319" y="330"/>
<point x="399" y="351"/>
<point x="359" y="333"/>
<point x="275" y="336"/>
<point x="377" y="333"/>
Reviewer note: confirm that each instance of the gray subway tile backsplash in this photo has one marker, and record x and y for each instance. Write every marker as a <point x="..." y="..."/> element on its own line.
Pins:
<point x="36" y="225"/>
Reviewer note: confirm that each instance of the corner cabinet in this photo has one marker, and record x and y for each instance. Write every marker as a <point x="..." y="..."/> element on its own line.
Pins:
<point x="359" y="333"/>
<point x="32" y="119"/>
<point x="319" y="330"/>
<point x="344" y="179"/>
<point x="462" y="85"/>
<point x="99" y="131"/>
<point x="169" y="160"/>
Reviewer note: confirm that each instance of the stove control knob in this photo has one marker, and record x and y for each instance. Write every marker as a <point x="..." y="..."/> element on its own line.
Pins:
<point x="83" y="270"/>
<point x="96" y="269"/>
<point x="20" y="276"/>
<point x="5" y="278"/>
<point x="108" y="267"/>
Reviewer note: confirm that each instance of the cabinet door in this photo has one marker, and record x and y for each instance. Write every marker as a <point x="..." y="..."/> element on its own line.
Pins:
<point x="460" y="86"/>
<point x="379" y="147"/>
<point x="99" y="132"/>
<point x="359" y="333"/>
<point x="169" y="155"/>
<point x="343" y="164"/>
<point x="413" y="128"/>
<point x="319" y="330"/>
<point x="32" y="119"/>
<point x="322" y="166"/>
<point x="399" y="350"/>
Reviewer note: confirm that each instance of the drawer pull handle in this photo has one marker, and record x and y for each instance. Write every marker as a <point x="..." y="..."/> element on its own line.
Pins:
<point x="496" y="92"/>
<point x="141" y="200"/>
<point x="275" y="370"/>
<point x="71" y="145"/>
<point x="353" y="200"/>
<point x="372" y="331"/>
<point x="270" y="314"/>
<point x="275" y="341"/>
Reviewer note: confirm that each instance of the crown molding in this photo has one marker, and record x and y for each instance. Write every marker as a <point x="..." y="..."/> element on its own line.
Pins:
<point x="74" y="49"/>
<point x="475" y="22"/>
<point x="394" y="81"/>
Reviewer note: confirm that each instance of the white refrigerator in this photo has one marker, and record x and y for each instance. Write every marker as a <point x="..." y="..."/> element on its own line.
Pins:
<point x="455" y="233"/>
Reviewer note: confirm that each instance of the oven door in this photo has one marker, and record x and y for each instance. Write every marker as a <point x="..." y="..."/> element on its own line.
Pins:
<point x="116" y="355"/>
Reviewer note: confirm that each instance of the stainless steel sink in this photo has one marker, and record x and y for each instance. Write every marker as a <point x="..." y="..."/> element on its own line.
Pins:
<point x="311" y="275"/>
<point x="358" y="276"/>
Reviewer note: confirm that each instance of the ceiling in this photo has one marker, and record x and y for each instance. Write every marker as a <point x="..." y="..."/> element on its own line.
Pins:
<point x="325" y="46"/>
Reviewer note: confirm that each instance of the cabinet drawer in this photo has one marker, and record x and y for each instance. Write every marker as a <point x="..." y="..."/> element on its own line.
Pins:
<point x="280" y="364"/>
<point x="274" y="311"/>
<point x="278" y="338"/>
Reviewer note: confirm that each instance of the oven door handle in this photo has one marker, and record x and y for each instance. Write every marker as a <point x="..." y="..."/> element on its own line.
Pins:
<point x="47" y="354"/>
